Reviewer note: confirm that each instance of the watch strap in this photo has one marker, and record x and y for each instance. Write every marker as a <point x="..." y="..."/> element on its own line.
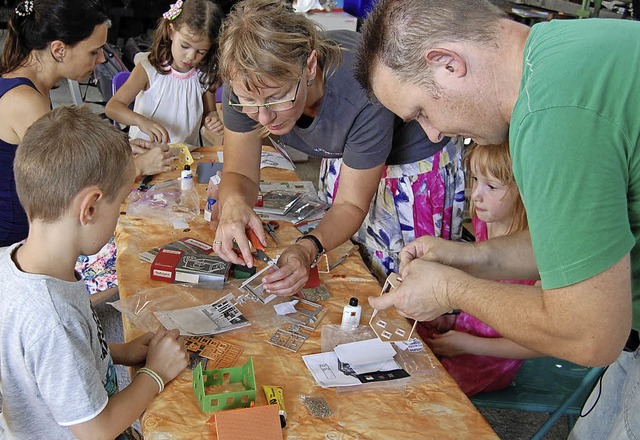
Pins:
<point x="319" y="248"/>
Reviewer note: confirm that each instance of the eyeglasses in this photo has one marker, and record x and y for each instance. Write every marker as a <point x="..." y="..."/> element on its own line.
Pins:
<point x="277" y="106"/>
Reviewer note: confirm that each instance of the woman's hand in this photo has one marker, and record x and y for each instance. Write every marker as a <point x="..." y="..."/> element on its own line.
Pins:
<point x="292" y="274"/>
<point x="156" y="132"/>
<point x="235" y="217"/>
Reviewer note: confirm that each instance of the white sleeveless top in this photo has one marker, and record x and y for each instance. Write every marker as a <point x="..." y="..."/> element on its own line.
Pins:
<point x="173" y="100"/>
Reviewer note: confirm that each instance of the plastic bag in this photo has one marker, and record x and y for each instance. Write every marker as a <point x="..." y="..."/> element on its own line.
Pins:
<point x="164" y="201"/>
<point x="421" y="365"/>
<point x="140" y="308"/>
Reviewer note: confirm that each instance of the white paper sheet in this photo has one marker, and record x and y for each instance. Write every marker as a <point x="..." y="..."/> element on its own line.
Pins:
<point x="325" y="370"/>
<point x="208" y="319"/>
<point x="365" y="352"/>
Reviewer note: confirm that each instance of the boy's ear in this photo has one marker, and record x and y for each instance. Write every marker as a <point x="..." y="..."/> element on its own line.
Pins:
<point x="446" y="62"/>
<point x="87" y="202"/>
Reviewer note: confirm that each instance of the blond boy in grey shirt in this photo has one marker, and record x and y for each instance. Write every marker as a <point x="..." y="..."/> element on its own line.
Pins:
<point x="57" y="378"/>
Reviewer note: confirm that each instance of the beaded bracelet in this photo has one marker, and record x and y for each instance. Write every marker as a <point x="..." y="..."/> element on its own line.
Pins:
<point x="154" y="375"/>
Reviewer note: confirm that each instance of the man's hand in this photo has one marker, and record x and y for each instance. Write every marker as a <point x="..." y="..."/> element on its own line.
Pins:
<point x="435" y="249"/>
<point x="423" y="293"/>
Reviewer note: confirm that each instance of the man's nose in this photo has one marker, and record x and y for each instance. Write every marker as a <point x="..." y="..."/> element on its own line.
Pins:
<point x="434" y="135"/>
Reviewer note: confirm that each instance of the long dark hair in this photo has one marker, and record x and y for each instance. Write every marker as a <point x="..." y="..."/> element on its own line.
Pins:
<point x="201" y="17"/>
<point x="36" y="23"/>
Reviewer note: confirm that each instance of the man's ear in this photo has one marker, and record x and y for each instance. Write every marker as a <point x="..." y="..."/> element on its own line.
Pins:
<point x="57" y="50"/>
<point x="446" y="61"/>
<point x="87" y="203"/>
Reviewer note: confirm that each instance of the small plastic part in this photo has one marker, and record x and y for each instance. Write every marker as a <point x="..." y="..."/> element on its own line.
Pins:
<point x="316" y="406"/>
<point x="387" y="324"/>
<point x="289" y="340"/>
<point x="254" y="286"/>
<point x="225" y="400"/>
<point x="184" y="155"/>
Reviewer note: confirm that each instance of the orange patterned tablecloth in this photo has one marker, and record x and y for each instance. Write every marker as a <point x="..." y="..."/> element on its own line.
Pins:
<point x="432" y="406"/>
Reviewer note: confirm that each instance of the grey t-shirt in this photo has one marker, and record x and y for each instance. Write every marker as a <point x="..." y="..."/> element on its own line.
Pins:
<point x="348" y="124"/>
<point x="55" y="366"/>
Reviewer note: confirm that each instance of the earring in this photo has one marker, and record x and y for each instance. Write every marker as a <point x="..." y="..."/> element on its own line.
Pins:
<point x="59" y="60"/>
<point x="450" y="68"/>
<point x="309" y="82"/>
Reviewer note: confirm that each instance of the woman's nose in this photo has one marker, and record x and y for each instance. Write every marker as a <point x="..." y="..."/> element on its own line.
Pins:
<point x="265" y="116"/>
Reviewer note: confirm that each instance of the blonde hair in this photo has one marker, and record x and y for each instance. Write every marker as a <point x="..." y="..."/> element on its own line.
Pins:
<point x="495" y="161"/>
<point x="263" y="39"/>
<point x="63" y="152"/>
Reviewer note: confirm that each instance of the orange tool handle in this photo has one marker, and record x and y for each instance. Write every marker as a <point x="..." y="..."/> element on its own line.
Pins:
<point x="255" y="241"/>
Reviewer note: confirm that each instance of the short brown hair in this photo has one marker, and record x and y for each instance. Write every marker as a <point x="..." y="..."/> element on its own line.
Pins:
<point x="267" y="39"/>
<point x="63" y="152"/>
<point x="203" y="17"/>
<point x="397" y="33"/>
<point x="495" y="160"/>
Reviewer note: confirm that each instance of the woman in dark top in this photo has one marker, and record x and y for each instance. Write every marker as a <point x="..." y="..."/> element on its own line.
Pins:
<point x="386" y="182"/>
<point x="47" y="41"/>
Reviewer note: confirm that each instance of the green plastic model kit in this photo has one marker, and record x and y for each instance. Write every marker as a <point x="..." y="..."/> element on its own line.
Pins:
<point x="225" y="400"/>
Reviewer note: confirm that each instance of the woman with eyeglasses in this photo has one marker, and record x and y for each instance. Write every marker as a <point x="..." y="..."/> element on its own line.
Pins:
<point x="386" y="182"/>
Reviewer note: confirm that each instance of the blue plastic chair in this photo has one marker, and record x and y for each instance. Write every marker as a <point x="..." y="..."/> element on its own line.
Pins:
<point x="118" y="80"/>
<point x="546" y="384"/>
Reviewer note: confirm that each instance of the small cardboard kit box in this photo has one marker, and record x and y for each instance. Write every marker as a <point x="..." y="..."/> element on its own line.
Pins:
<point x="175" y="266"/>
<point x="188" y="245"/>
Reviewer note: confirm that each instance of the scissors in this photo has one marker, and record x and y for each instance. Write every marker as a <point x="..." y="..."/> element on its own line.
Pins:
<point x="271" y="227"/>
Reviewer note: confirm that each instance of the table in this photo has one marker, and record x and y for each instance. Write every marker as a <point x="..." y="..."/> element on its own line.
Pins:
<point x="432" y="408"/>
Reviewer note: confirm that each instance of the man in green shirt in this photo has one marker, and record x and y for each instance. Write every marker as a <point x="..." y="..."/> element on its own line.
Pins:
<point x="565" y="95"/>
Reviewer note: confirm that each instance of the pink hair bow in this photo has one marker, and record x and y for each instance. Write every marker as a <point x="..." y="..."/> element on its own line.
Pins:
<point x="173" y="11"/>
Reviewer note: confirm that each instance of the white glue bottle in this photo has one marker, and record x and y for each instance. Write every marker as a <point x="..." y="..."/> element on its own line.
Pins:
<point x="212" y="195"/>
<point x="186" y="179"/>
<point x="351" y="314"/>
<point x="189" y="200"/>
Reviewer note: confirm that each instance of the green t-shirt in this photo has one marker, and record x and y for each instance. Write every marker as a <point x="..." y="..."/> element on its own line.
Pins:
<point x="575" y="136"/>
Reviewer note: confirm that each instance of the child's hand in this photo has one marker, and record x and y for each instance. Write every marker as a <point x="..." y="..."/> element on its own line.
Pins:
<point x="154" y="161"/>
<point x="139" y="146"/>
<point x="213" y="123"/>
<point x="452" y="343"/>
<point x="167" y="354"/>
<point x="155" y="131"/>
<point x="135" y="351"/>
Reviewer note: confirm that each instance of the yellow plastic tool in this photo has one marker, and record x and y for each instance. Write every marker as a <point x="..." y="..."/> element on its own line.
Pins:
<point x="184" y="155"/>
